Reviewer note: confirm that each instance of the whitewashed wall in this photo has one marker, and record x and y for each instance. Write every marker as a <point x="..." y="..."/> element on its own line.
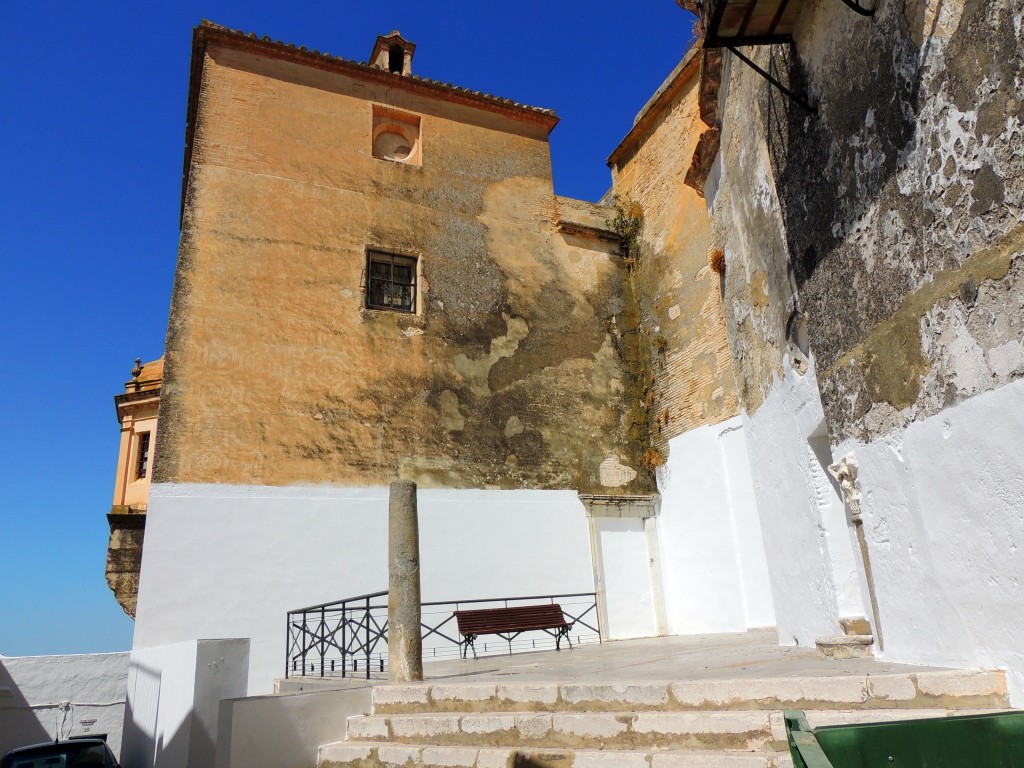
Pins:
<point x="173" y="701"/>
<point x="712" y="553"/>
<point x="230" y="561"/>
<point x="32" y="689"/>
<point x="806" y="534"/>
<point x="943" y="507"/>
<point x="285" y="730"/>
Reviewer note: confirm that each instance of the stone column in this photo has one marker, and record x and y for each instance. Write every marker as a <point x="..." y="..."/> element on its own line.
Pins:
<point x="405" y="643"/>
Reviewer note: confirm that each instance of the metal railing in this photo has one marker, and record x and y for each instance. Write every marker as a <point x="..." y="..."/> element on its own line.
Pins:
<point x="350" y="636"/>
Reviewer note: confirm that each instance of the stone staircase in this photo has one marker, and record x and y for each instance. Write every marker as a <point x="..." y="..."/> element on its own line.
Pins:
<point x="725" y="723"/>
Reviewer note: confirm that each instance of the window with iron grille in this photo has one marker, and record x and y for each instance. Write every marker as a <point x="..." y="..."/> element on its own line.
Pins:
<point x="391" y="281"/>
<point x="142" y="464"/>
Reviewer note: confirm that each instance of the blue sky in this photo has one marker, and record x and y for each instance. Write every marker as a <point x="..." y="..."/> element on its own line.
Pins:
<point x="92" y="120"/>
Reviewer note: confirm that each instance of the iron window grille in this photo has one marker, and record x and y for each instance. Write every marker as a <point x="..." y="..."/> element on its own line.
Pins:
<point x="391" y="282"/>
<point x="143" y="461"/>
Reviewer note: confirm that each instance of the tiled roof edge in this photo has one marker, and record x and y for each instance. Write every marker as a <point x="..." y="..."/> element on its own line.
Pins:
<point x="680" y="74"/>
<point x="375" y="73"/>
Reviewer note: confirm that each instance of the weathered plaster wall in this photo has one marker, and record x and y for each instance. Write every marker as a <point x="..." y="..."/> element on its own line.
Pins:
<point x="681" y="322"/>
<point x="874" y="277"/>
<point x="276" y="374"/>
<point x="902" y="201"/>
<point x="34" y="689"/>
<point x="255" y="552"/>
<point x="747" y="216"/>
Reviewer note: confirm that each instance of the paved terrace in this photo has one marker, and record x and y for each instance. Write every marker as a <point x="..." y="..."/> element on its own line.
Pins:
<point x="754" y="654"/>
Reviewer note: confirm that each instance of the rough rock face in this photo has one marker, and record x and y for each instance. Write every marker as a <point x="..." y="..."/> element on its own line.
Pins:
<point x="277" y="373"/>
<point x="124" y="554"/>
<point x="894" y="214"/>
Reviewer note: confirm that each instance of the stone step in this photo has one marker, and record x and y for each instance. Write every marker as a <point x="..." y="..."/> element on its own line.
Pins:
<point x="846" y="646"/>
<point x="745" y="730"/>
<point x="378" y="755"/>
<point x="855" y="625"/>
<point x="946" y="689"/>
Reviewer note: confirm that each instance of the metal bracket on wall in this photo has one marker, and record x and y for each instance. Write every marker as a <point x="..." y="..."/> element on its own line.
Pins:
<point x="858" y="8"/>
<point x="801" y="100"/>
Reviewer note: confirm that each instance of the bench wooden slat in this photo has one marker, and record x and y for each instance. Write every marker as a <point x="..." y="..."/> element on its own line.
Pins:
<point x="520" y="618"/>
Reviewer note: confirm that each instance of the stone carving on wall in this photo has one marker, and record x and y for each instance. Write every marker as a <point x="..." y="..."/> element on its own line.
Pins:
<point x="845" y="473"/>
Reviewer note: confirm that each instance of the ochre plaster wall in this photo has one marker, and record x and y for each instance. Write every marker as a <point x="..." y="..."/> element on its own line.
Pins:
<point x="276" y="374"/>
<point x="682" y="324"/>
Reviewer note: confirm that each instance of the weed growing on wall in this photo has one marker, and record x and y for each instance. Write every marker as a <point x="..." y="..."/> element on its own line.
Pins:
<point x="644" y="349"/>
<point x="627" y="223"/>
<point x="652" y="459"/>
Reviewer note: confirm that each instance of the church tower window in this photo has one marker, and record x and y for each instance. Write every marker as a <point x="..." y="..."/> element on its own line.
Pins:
<point x="142" y="461"/>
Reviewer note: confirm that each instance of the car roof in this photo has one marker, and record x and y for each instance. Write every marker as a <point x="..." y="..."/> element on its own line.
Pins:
<point x="88" y="742"/>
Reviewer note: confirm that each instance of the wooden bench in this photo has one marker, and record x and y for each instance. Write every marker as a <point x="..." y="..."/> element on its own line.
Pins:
<point x="509" y="623"/>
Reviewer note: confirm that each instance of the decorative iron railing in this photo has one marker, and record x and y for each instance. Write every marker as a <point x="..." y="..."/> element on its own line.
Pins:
<point x="350" y="636"/>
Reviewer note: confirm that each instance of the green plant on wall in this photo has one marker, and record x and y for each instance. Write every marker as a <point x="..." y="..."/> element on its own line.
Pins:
<point x="644" y="350"/>
<point x="627" y="223"/>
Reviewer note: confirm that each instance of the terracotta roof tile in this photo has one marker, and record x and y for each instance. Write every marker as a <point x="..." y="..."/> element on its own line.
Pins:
<point x="352" y="62"/>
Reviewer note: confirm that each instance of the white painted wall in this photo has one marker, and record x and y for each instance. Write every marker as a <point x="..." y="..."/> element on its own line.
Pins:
<point x="230" y="561"/>
<point x="839" y="534"/>
<point x="173" y="698"/>
<point x="758" y="606"/>
<point x="626" y="565"/>
<point x="804" y="534"/>
<point x="943" y="509"/>
<point x="712" y="555"/>
<point x="285" y="730"/>
<point x="32" y="689"/>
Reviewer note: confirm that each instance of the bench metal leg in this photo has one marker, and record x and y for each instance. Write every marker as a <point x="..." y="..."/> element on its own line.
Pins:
<point x="469" y="642"/>
<point x="563" y="632"/>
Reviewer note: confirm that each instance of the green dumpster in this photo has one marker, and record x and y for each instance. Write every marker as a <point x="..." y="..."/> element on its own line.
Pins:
<point x="993" y="740"/>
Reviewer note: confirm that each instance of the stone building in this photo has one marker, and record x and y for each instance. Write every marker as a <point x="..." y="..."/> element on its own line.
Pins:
<point x="772" y="379"/>
<point x="376" y="279"/>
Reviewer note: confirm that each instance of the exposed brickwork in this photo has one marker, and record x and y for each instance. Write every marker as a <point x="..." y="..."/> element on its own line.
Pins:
<point x="682" y="321"/>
